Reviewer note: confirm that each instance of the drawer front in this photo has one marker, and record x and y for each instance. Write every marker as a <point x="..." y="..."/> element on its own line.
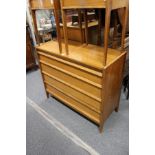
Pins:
<point x="84" y="72"/>
<point x="74" y="104"/>
<point x="77" y="95"/>
<point x="73" y="81"/>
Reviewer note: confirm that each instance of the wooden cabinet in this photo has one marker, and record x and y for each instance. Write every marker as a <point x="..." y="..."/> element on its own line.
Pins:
<point x="80" y="80"/>
<point x="30" y="59"/>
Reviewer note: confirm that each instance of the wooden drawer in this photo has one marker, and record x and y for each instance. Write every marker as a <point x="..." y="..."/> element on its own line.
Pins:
<point x="76" y="95"/>
<point x="90" y="74"/>
<point x="74" y="104"/>
<point x="73" y="81"/>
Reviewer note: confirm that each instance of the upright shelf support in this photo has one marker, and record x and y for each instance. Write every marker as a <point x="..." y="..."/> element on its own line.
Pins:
<point x="107" y="27"/>
<point x="115" y="30"/>
<point x="124" y="24"/>
<point x="65" y="30"/>
<point x="35" y="26"/>
<point x="99" y="28"/>
<point x="57" y="10"/>
<point x="80" y="24"/>
<point x="86" y="26"/>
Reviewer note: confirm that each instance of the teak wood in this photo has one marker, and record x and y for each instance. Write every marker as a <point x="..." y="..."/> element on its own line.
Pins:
<point x="80" y="80"/>
<point x="85" y="77"/>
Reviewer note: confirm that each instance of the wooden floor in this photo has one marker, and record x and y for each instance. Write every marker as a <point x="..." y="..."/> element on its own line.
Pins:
<point x="90" y="55"/>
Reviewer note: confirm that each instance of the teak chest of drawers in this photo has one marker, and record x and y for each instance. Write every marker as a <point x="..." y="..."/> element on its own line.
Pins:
<point x="80" y="80"/>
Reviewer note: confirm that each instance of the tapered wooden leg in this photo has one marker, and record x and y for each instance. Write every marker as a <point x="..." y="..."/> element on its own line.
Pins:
<point x="35" y="26"/>
<point x="101" y="127"/>
<point x="124" y="24"/>
<point x="115" y="31"/>
<point x="127" y="95"/>
<point x="80" y="24"/>
<point x="86" y="26"/>
<point x="99" y="28"/>
<point x="106" y="32"/>
<point x="65" y="30"/>
<point x="47" y="94"/>
<point x="56" y="14"/>
<point x="116" y="109"/>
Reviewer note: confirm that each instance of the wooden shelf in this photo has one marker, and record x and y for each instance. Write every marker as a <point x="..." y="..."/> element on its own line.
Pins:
<point x="38" y="5"/>
<point x="83" y="4"/>
<point x="90" y="55"/>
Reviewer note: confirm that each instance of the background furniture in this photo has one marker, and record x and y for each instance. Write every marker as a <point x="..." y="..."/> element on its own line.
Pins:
<point x="91" y="17"/>
<point x="74" y="31"/>
<point x="30" y="59"/>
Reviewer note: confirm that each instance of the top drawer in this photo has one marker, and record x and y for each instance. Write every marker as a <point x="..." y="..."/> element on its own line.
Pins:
<point x="86" y="73"/>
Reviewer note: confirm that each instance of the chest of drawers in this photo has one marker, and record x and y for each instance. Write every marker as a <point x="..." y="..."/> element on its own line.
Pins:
<point x="80" y="81"/>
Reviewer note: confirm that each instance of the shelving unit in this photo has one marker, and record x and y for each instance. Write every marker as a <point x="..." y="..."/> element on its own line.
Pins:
<point x="46" y="5"/>
<point x="85" y="77"/>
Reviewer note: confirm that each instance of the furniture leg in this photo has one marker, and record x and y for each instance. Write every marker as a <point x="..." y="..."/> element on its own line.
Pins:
<point x="35" y="27"/>
<point x="56" y="14"/>
<point x="107" y="27"/>
<point x="86" y="26"/>
<point x="101" y="127"/>
<point x="80" y="24"/>
<point x="115" y="30"/>
<point x="99" y="28"/>
<point x="124" y="24"/>
<point x="65" y="30"/>
<point x="127" y="95"/>
<point x="116" y="109"/>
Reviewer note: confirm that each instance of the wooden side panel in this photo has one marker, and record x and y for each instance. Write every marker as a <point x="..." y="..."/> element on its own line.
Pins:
<point x="71" y="69"/>
<point x="83" y="3"/>
<point x="73" y="104"/>
<point x="77" y="95"/>
<point x="112" y="81"/>
<point x="86" y="88"/>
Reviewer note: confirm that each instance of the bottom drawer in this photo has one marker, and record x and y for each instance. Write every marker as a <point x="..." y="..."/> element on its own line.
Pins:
<point x="92" y="115"/>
